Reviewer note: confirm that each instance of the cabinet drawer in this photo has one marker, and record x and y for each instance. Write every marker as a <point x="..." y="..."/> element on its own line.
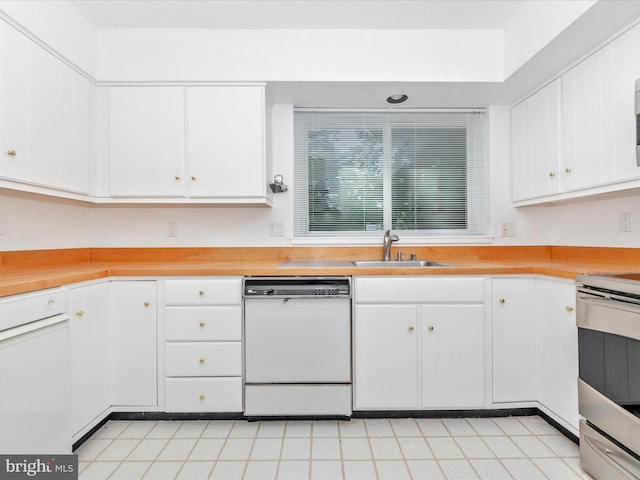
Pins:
<point x="209" y="291"/>
<point x="203" y="394"/>
<point x="418" y="289"/>
<point x="203" y="359"/>
<point x="204" y="323"/>
<point x="29" y="307"/>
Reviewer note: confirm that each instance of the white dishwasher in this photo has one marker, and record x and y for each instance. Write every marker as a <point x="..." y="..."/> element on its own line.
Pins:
<point x="297" y="346"/>
<point x="34" y="374"/>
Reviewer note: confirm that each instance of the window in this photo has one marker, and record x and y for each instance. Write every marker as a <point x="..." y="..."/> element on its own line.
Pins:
<point x="359" y="173"/>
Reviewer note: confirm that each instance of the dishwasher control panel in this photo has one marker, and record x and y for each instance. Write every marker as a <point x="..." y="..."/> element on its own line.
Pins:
<point x="297" y="287"/>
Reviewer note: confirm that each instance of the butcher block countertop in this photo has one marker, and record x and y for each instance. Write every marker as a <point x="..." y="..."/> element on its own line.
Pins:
<point x="26" y="271"/>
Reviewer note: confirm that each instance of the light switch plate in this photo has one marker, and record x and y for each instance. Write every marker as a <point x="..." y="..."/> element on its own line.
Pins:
<point x="508" y="229"/>
<point x="277" y="229"/>
<point x="172" y="229"/>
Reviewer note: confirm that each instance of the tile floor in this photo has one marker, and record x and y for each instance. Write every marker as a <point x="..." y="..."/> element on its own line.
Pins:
<point x="452" y="449"/>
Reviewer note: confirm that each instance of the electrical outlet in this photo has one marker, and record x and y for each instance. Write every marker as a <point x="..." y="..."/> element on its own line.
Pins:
<point x="626" y="222"/>
<point x="172" y="229"/>
<point x="508" y="229"/>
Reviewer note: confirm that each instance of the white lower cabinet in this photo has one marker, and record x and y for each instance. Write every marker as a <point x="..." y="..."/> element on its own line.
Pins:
<point x="418" y="343"/>
<point x="514" y="342"/>
<point x="89" y="354"/>
<point x="133" y="343"/>
<point x="203" y="345"/>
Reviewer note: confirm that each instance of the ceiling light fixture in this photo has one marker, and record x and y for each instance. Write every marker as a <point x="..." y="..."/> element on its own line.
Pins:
<point x="397" y="98"/>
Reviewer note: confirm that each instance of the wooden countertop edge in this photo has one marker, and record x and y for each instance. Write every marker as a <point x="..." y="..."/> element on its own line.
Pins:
<point x="28" y="281"/>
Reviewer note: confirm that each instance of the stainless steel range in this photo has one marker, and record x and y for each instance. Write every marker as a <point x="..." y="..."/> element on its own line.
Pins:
<point x="608" y="318"/>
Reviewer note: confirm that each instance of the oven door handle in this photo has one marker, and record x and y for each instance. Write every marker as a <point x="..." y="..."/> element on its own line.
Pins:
<point x="608" y="303"/>
<point x="618" y="458"/>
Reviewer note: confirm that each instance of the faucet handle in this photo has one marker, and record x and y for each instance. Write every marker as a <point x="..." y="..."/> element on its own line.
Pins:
<point x="414" y="256"/>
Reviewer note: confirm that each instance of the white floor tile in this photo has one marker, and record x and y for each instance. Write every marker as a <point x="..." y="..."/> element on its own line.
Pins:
<point x="164" y="430"/>
<point x="511" y="426"/>
<point x="195" y="470"/>
<point x="294" y="470"/>
<point x="378" y="427"/>
<point x="385" y="449"/>
<point x="414" y="448"/>
<point x="352" y="428"/>
<point x="137" y="429"/>
<point x="485" y="426"/>
<point x="405" y="427"/>
<point x="555" y="469"/>
<point x="444" y="447"/>
<point x="425" y="470"/>
<point x="163" y="471"/>
<point x="503" y="447"/>
<point x="131" y="471"/>
<point x="458" y="470"/>
<point x="325" y="428"/>
<point x="273" y="429"/>
<point x="177" y="449"/>
<point x="98" y="470"/>
<point x="90" y="449"/>
<point x="532" y="447"/>
<point x="474" y="447"/>
<point x="298" y="428"/>
<point x="118" y="450"/>
<point x="459" y="427"/>
<point x="260" y="470"/>
<point x="359" y="470"/>
<point x="228" y="471"/>
<point x="490" y="469"/>
<point x="523" y="469"/>
<point x="266" y="449"/>
<point x="392" y="470"/>
<point x="218" y="429"/>
<point x="236" y="449"/>
<point x="325" y="449"/>
<point x="147" y="449"/>
<point x="207" y="449"/>
<point x="432" y="427"/>
<point x="243" y="429"/>
<point x="537" y="425"/>
<point x="356" y="449"/>
<point x="296" y="449"/>
<point x="190" y="429"/>
<point x="561" y="446"/>
<point x="326" y="470"/>
<point x="574" y="463"/>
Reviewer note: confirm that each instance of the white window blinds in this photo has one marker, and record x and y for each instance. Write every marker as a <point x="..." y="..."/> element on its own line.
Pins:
<point x="358" y="173"/>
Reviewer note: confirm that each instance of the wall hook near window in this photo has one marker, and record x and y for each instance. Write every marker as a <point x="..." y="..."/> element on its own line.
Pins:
<point x="278" y="186"/>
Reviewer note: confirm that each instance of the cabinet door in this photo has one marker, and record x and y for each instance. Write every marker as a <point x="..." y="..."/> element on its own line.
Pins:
<point x="513" y="340"/>
<point x="452" y="356"/>
<point x="588" y="126"/>
<point x="147" y="141"/>
<point x="133" y="343"/>
<point x="386" y="357"/>
<point x="557" y="338"/>
<point x="536" y="144"/>
<point x="89" y="353"/>
<point x="226" y="141"/>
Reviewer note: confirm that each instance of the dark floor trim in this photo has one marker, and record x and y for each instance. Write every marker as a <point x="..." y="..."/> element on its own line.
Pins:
<point x="175" y="416"/>
<point x="575" y="439"/>
<point x="509" y="412"/>
<point x="88" y="435"/>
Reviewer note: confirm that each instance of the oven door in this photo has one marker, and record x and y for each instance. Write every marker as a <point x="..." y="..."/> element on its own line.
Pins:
<point x="297" y="340"/>
<point x="609" y="366"/>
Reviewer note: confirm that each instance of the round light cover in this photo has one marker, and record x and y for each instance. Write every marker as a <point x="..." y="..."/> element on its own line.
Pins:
<point x="397" y="98"/>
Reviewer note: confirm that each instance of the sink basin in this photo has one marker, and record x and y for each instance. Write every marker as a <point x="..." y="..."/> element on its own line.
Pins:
<point x="399" y="263"/>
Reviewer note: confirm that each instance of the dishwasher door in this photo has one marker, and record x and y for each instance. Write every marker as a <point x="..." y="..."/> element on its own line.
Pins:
<point x="297" y="340"/>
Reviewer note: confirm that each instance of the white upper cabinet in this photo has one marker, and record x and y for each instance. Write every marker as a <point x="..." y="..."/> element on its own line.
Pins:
<point x="45" y="117"/>
<point x="535" y="129"/>
<point x="147" y="141"/>
<point x="588" y="126"/>
<point x="226" y="138"/>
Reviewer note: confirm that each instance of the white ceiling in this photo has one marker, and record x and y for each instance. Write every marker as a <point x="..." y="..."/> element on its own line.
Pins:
<point x="301" y="14"/>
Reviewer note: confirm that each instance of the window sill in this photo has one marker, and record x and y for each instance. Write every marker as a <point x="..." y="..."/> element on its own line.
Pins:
<point x="405" y="240"/>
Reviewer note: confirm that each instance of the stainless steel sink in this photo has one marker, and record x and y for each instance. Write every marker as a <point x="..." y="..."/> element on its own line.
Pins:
<point x="399" y="263"/>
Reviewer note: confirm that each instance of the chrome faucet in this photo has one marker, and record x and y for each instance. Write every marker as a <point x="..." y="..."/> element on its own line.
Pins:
<point x="389" y="238"/>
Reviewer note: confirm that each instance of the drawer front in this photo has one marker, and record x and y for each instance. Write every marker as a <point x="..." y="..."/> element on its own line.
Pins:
<point x="204" y="323"/>
<point x="29" y="307"/>
<point x="209" y="291"/>
<point x="418" y="289"/>
<point x="203" y="394"/>
<point x="200" y="359"/>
